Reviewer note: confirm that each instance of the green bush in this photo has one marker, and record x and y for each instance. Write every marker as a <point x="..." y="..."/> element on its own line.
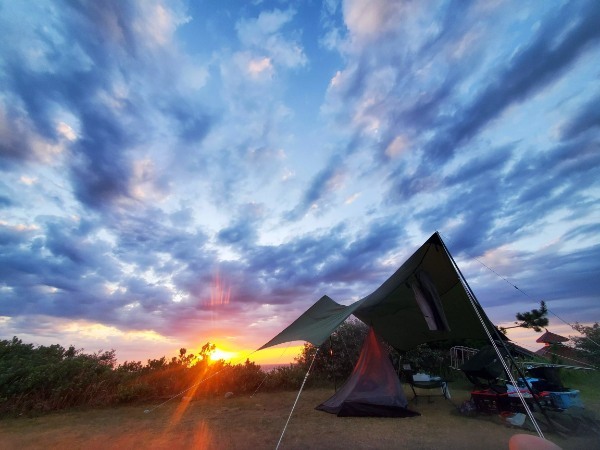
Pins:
<point x="45" y="378"/>
<point x="285" y="377"/>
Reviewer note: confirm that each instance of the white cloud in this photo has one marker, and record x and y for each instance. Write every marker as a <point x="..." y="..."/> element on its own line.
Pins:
<point x="337" y="79"/>
<point x="259" y="66"/>
<point x="265" y="34"/>
<point x="66" y="131"/>
<point x="28" y="180"/>
<point x="367" y="19"/>
<point x="397" y="147"/>
<point x="143" y="182"/>
<point x="352" y="198"/>
<point x="156" y="23"/>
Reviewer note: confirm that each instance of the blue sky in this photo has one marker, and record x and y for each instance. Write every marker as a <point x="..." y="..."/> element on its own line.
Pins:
<point x="178" y="172"/>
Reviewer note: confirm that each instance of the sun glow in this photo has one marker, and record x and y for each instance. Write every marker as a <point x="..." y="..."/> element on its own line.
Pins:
<point x="219" y="354"/>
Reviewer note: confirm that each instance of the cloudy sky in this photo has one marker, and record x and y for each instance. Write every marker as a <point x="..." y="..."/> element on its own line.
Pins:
<point x="178" y="172"/>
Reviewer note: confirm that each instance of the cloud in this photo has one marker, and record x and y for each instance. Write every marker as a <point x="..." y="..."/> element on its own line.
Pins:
<point x="146" y="152"/>
<point x="555" y="47"/>
<point x="266" y="34"/>
<point x="321" y="185"/>
<point x="258" y="66"/>
<point x="374" y="20"/>
<point x="587" y="119"/>
<point x="242" y="231"/>
<point x="109" y="111"/>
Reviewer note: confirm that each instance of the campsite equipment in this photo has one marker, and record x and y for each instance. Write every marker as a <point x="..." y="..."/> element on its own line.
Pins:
<point x="373" y="388"/>
<point x="543" y="387"/>
<point x="492" y="401"/>
<point x="566" y="399"/>
<point x="427" y="299"/>
<point x="484" y="368"/>
<point x="549" y="380"/>
<point x="425" y="381"/>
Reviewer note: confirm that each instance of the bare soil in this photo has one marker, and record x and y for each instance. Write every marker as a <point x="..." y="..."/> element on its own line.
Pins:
<point x="257" y="423"/>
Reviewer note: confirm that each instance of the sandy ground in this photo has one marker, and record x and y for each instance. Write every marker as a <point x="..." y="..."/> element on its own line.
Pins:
<point x="257" y="423"/>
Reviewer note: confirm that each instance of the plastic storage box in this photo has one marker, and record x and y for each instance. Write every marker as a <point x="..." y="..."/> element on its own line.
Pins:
<point x="566" y="399"/>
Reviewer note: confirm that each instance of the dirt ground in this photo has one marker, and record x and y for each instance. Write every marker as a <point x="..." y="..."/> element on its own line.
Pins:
<point x="257" y="423"/>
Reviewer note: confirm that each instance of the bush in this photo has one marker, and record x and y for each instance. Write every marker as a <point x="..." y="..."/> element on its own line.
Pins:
<point x="47" y="378"/>
<point x="285" y="377"/>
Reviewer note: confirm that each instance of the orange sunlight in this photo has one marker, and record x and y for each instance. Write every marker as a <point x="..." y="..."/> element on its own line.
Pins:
<point x="268" y="356"/>
<point x="219" y="354"/>
<point x="275" y="355"/>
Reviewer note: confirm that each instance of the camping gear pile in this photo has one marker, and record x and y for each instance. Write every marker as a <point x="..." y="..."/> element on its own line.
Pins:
<point x="547" y="379"/>
<point x="542" y="388"/>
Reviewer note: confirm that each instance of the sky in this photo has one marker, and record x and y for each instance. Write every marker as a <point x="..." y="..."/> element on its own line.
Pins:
<point x="173" y="173"/>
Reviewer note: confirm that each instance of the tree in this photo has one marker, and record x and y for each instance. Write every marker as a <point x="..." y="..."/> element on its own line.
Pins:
<point x="338" y="354"/>
<point x="535" y="319"/>
<point x="589" y="342"/>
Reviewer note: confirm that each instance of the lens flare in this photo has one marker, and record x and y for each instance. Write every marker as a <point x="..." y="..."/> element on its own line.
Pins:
<point x="219" y="292"/>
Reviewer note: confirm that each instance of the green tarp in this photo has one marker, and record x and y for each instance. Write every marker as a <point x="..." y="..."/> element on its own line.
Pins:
<point x="423" y="301"/>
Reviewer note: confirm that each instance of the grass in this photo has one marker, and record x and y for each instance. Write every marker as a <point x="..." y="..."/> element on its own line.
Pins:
<point x="257" y="422"/>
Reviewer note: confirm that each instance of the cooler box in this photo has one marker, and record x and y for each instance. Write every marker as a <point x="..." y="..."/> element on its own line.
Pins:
<point x="566" y="399"/>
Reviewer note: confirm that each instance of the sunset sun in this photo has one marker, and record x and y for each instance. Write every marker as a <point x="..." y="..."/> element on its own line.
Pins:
<point x="219" y="354"/>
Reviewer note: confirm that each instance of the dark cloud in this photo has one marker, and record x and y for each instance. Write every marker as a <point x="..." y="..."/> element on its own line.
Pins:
<point x="193" y="125"/>
<point x="66" y="270"/>
<point x="5" y="201"/>
<point x="558" y="43"/>
<point x="299" y="261"/>
<point x="101" y="172"/>
<point x="240" y="232"/>
<point x="559" y="277"/>
<point x="319" y="186"/>
<point x="15" y="142"/>
<point x="588" y="118"/>
<point x="584" y="232"/>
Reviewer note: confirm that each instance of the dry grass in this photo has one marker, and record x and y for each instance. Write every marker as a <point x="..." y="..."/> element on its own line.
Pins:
<point x="256" y="423"/>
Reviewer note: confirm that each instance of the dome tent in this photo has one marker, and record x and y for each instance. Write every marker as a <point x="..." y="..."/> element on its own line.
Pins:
<point x="373" y="388"/>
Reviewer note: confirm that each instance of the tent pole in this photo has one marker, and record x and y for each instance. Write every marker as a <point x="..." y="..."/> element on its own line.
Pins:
<point x="476" y="306"/>
<point x="297" y="397"/>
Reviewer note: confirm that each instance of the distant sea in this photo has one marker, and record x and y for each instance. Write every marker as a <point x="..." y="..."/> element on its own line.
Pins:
<point x="270" y="367"/>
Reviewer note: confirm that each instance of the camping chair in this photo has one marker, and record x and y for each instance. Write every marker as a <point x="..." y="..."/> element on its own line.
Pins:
<point x="428" y="383"/>
<point x="485" y="370"/>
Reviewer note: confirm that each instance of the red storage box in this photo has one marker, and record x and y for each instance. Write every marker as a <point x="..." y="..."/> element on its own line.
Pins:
<point x="490" y="401"/>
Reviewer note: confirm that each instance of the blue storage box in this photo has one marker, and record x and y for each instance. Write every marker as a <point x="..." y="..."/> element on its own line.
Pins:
<point x="566" y="399"/>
